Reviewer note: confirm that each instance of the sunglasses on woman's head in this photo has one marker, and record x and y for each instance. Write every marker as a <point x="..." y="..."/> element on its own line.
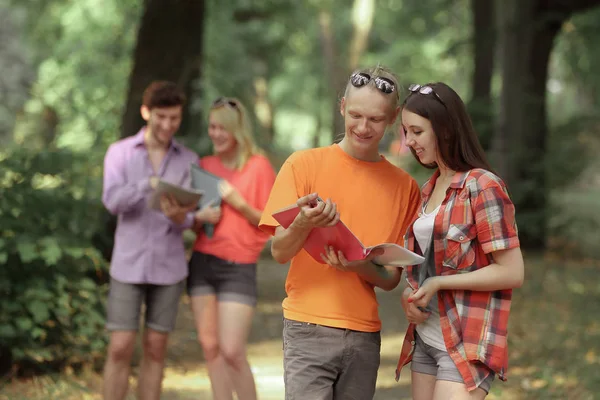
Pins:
<point x="416" y="88"/>
<point x="224" y="101"/>
<point x="384" y="85"/>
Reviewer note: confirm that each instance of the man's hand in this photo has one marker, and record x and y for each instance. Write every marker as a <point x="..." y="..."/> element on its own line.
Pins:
<point x="208" y="213"/>
<point x="154" y="182"/>
<point x="314" y="213"/>
<point x="413" y="314"/>
<point x="172" y="210"/>
<point x="231" y="195"/>
<point x="337" y="260"/>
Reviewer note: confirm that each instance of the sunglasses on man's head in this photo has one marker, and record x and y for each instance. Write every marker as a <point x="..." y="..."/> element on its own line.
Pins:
<point x="416" y="88"/>
<point x="384" y="85"/>
<point x="224" y="101"/>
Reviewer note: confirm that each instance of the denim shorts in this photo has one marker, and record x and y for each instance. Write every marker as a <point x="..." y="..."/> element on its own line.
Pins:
<point x="125" y="301"/>
<point x="431" y="361"/>
<point x="229" y="281"/>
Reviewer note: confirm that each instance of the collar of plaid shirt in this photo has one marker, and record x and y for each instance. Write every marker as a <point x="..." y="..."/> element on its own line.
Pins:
<point x="474" y="324"/>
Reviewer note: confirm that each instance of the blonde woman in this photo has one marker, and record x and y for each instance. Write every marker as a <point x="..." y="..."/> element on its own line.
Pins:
<point x="222" y="276"/>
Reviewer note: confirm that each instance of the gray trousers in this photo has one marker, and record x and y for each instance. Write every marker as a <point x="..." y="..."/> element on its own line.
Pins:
<point x="324" y="363"/>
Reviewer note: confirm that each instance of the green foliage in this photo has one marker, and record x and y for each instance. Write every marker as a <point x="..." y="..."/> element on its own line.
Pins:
<point x="573" y="176"/>
<point x="571" y="146"/>
<point x="84" y="53"/>
<point x="579" y="58"/>
<point x="16" y="73"/>
<point x="51" y="308"/>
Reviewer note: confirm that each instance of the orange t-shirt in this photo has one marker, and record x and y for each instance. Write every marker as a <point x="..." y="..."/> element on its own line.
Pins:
<point x="377" y="201"/>
<point x="234" y="238"/>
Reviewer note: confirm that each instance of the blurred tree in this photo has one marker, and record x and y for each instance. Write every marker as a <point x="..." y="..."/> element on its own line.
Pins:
<point x="17" y="70"/>
<point x="484" y="38"/>
<point x="338" y="63"/>
<point x="575" y="68"/>
<point x="169" y="47"/>
<point x="528" y="31"/>
<point x="72" y="97"/>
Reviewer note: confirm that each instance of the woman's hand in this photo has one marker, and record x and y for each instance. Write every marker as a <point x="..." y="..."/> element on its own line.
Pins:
<point x="231" y="195"/>
<point x="314" y="213"/>
<point x="422" y="296"/>
<point x="337" y="260"/>
<point x="412" y="312"/>
<point x="208" y="214"/>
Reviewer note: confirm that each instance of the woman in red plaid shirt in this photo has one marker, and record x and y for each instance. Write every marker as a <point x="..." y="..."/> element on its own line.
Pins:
<point x="458" y="300"/>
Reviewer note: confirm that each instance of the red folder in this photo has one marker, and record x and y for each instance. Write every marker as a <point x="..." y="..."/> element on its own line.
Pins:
<point x="340" y="237"/>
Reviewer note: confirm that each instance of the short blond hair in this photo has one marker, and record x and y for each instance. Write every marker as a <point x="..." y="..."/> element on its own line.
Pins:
<point x="381" y="72"/>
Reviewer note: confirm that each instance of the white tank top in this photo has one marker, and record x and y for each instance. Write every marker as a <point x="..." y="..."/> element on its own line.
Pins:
<point x="430" y="331"/>
<point x="423" y="228"/>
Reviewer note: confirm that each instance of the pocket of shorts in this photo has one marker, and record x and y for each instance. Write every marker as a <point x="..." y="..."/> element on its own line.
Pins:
<point x="295" y="330"/>
<point x="376" y="338"/>
<point x="459" y="252"/>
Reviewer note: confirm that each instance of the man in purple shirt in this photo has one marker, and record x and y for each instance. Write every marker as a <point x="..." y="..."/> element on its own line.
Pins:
<point x="148" y="262"/>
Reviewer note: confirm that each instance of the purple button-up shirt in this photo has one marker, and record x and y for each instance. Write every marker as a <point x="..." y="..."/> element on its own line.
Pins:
<point x="148" y="246"/>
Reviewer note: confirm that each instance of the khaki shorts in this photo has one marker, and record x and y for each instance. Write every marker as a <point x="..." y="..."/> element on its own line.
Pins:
<point x="125" y="301"/>
<point x="324" y="363"/>
<point x="431" y="361"/>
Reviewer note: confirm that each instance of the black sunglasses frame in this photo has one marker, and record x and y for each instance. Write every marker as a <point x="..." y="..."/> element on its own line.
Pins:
<point x="425" y="90"/>
<point x="225" y="101"/>
<point x="384" y="85"/>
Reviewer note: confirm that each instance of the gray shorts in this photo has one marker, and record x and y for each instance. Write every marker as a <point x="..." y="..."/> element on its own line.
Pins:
<point x="324" y="363"/>
<point x="431" y="361"/>
<point x="125" y="303"/>
<point x="227" y="280"/>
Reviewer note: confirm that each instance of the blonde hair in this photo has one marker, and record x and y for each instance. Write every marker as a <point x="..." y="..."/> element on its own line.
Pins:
<point x="235" y="120"/>
<point x="378" y="71"/>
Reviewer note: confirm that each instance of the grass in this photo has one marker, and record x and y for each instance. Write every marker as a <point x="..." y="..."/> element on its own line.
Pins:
<point x="554" y="333"/>
<point x="575" y="223"/>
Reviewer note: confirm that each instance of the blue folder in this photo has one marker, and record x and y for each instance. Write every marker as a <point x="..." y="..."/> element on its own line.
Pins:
<point x="209" y="184"/>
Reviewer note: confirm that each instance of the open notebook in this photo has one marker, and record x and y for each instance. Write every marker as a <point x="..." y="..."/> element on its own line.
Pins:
<point x="184" y="196"/>
<point x="342" y="238"/>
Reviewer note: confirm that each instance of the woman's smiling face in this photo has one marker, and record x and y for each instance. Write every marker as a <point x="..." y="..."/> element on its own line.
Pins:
<point x="420" y="137"/>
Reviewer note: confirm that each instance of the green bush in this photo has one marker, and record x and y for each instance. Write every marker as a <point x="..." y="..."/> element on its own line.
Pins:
<point x="51" y="309"/>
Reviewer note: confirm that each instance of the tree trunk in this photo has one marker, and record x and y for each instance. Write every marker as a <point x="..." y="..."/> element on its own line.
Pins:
<point x="263" y="109"/>
<point x="169" y="47"/>
<point x="333" y="71"/>
<point x="336" y="71"/>
<point x="484" y="38"/>
<point x="528" y="30"/>
<point x="362" y="21"/>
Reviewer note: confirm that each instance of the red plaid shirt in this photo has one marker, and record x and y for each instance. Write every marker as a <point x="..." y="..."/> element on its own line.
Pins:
<point x="475" y="219"/>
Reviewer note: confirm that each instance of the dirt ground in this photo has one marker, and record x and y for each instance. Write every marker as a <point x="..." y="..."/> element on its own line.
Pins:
<point x="186" y="376"/>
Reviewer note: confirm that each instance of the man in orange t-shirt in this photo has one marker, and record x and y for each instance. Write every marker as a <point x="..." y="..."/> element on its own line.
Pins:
<point x="331" y="332"/>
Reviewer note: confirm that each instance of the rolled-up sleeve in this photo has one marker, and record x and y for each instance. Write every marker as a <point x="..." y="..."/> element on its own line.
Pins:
<point x="495" y="219"/>
<point x="118" y="195"/>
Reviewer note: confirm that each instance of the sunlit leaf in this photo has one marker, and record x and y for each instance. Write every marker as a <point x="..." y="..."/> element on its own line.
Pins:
<point x="51" y="251"/>
<point x="39" y="310"/>
<point x="27" y="251"/>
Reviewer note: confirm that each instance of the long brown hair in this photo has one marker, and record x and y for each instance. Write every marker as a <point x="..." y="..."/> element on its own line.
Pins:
<point x="458" y="144"/>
